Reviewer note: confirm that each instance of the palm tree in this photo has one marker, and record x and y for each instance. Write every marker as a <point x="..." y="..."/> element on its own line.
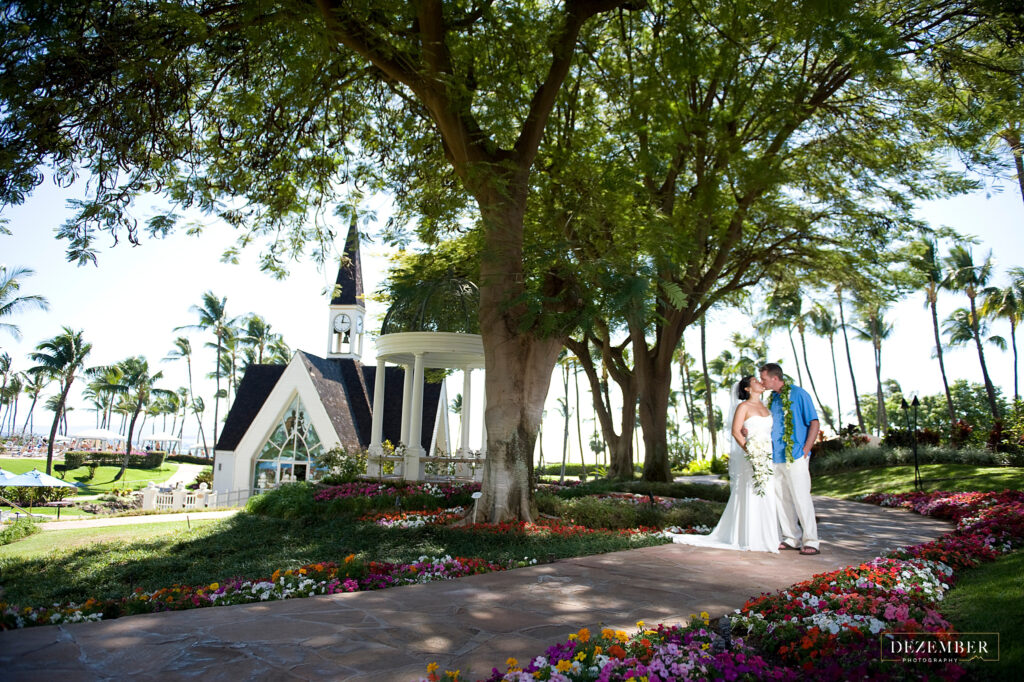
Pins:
<point x="10" y="397"/>
<point x="783" y="309"/>
<point x="1008" y="304"/>
<point x="183" y="349"/>
<point x="5" y="372"/>
<point x="213" y="317"/>
<point x="875" y="330"/>
<point x="825" y="325"/>
<point x="961" y="327"/>
<point x="927" y="262"/>
<point x="136" y="386"/>
<point x="60" y="358"/>
<point x="11" y="303"/>
<point x="37" y="381"/>
<point x="849" y="358"/>
<point x="258" y="341"/>
<point x="964" y="275"/>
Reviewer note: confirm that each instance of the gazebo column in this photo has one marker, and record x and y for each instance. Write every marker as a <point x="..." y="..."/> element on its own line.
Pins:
<point x="374" y="466"/>
<point x="413" y="469"/>
<point x="467" y="412"/>
<point x="406" y="404"/>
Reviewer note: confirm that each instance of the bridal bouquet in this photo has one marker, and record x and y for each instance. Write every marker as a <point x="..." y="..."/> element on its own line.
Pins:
<point x="759" y="454"/>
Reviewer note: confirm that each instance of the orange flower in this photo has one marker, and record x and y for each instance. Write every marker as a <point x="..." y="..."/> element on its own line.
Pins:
<point x="583" y="635"/>
<point x="616" y="651"/>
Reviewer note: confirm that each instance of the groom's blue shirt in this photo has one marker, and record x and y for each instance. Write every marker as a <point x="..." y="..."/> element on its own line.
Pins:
<point x="803" y="414"/>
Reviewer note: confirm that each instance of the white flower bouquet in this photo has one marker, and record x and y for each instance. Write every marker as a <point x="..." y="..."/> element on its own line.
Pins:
<point x="759" y="454"/>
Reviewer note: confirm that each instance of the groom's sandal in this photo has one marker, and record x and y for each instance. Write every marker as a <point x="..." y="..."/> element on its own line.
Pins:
<point x="810" y="551"/>
<point x="783" y="546"/>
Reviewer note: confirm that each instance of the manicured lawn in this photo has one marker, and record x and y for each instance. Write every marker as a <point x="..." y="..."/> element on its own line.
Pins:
<point x="41" y="544"/>
<point x="255" y="546"/>
<point x="104" y="479"/>
<point x="990" y="598"/>
<point x="900" y="479"/>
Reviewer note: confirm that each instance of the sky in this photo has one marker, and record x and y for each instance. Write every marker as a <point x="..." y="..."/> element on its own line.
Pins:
<point x="137" y="297"/>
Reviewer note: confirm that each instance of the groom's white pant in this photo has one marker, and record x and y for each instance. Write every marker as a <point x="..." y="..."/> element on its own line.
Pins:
<point x="793" y="490"/>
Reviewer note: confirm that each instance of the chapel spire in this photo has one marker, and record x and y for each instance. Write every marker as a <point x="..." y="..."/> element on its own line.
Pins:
<point x="348" y="288"/>
<point x="346" y="313"/>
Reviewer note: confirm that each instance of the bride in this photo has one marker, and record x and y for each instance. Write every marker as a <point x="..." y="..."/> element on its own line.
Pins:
<point x="749" y="521"/>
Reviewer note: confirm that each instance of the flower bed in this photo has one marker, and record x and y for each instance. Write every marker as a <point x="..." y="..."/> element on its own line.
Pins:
<point x="826" y="628"/>
<point x="351" y="575"/>
<point x="414" y="519"/>
<point x="372" y="490"/>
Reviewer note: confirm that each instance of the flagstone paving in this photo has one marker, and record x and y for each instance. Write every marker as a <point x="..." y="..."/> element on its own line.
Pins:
<point x="468" y="624"/>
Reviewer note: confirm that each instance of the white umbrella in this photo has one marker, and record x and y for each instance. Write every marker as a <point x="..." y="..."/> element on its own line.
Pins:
<point x="37" y="479"/>
<point x="99" y="434"/>
<point x="6" y="476"/>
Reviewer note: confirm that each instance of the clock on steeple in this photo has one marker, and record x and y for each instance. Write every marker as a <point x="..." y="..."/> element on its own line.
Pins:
<point x="346" y="312"/>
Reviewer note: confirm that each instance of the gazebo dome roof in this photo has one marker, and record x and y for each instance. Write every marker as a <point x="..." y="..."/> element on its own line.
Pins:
<point x="444" y="305"/>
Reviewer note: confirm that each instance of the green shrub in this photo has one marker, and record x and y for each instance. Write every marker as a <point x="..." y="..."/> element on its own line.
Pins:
<point x="341" y="466"/>
<point x="289" y="501"/>
<point x="205" y="476"/>
<point x="73" y="460"/>
<point x="150" y="460"/>
<point x="878" y="456"/>
<point x="22" y="528"/>
<point x="698" y="513"/>
<point x="188" y="459"/>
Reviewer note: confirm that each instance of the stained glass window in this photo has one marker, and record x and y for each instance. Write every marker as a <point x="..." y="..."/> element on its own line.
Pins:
<point x="289" y="453"/>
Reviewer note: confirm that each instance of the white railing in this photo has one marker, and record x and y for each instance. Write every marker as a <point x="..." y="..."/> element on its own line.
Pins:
<point x="155" y="499"/>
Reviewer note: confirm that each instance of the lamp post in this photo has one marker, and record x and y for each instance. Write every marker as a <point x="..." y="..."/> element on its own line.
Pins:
<point x="912" y="430"/>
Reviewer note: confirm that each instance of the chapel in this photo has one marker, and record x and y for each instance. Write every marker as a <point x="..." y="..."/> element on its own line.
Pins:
<point x="283" y="416"/>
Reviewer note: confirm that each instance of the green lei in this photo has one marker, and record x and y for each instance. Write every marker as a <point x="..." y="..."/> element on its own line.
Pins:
<point x="787" y="420"/>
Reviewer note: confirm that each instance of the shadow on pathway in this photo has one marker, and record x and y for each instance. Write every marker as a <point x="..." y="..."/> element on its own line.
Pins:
<point x="469" y="624"/>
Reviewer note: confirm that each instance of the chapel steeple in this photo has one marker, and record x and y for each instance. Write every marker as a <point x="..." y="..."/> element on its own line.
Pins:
<point x="347" y="310"/>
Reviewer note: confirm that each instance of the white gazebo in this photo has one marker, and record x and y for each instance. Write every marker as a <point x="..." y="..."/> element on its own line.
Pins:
<point x="433" y="327"/>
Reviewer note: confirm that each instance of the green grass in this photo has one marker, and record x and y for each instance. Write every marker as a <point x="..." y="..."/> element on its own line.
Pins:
<point x="990" y="598"/>
<point x="900" y="479"/>
<point x="102" y="482"/>
<point x="253" y="546"/>
<point x="41" y="544"/>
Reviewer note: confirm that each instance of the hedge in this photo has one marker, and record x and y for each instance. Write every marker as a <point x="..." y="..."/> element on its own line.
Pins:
<point x="189" y="459"/>
<point x="149" y="460"/>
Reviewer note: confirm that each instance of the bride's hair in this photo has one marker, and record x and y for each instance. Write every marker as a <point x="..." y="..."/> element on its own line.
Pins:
<point x="743" y="388"/>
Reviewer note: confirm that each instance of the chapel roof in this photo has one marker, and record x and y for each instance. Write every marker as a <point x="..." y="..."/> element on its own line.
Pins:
<point x="348" y="289"/>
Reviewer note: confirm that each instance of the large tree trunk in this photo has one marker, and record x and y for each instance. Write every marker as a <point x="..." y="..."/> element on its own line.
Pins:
<point x="518" y="364"/>
<point x="849" y="360"/>
<point x="932" y="300"/>
<point x="620" y="444"/>
<point x="655" y="388"/>
<point x="1013" y="343"/>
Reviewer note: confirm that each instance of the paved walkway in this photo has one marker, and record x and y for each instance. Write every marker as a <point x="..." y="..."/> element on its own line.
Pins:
<point x="91" y="522"/>
<point x="186" y="473"/>
<point x="469" y="624"/>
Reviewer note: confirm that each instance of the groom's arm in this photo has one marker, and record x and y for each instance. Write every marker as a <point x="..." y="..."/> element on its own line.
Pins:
<point x="812" y="435"/>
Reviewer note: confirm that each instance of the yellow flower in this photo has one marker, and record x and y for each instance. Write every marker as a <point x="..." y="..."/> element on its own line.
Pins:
<point x="705" y="646"/>
<point x="511" y="662"/>
<point x="431" y="667"/>
<point x="640" y="624"/>
<point x="598" y="651"/>
<point x="704" y="615"/>
<point x="453" y="675"/>
<point x="621" y="635"/>
<point x="572" y="637"/>
<point x="214" y="586"/>
<point x="563" y="666"/>
<point x="581" y="656"/>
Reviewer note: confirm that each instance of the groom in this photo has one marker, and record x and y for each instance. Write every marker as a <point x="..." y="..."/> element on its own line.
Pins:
<point x="792" y="478"/>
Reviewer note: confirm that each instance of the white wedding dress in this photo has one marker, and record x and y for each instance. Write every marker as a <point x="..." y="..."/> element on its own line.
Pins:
<point x="750" y="521"/>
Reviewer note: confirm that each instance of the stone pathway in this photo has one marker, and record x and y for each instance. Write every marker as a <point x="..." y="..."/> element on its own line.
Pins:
<point x="186" y="473"/>
<point x="468" y="624"/>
